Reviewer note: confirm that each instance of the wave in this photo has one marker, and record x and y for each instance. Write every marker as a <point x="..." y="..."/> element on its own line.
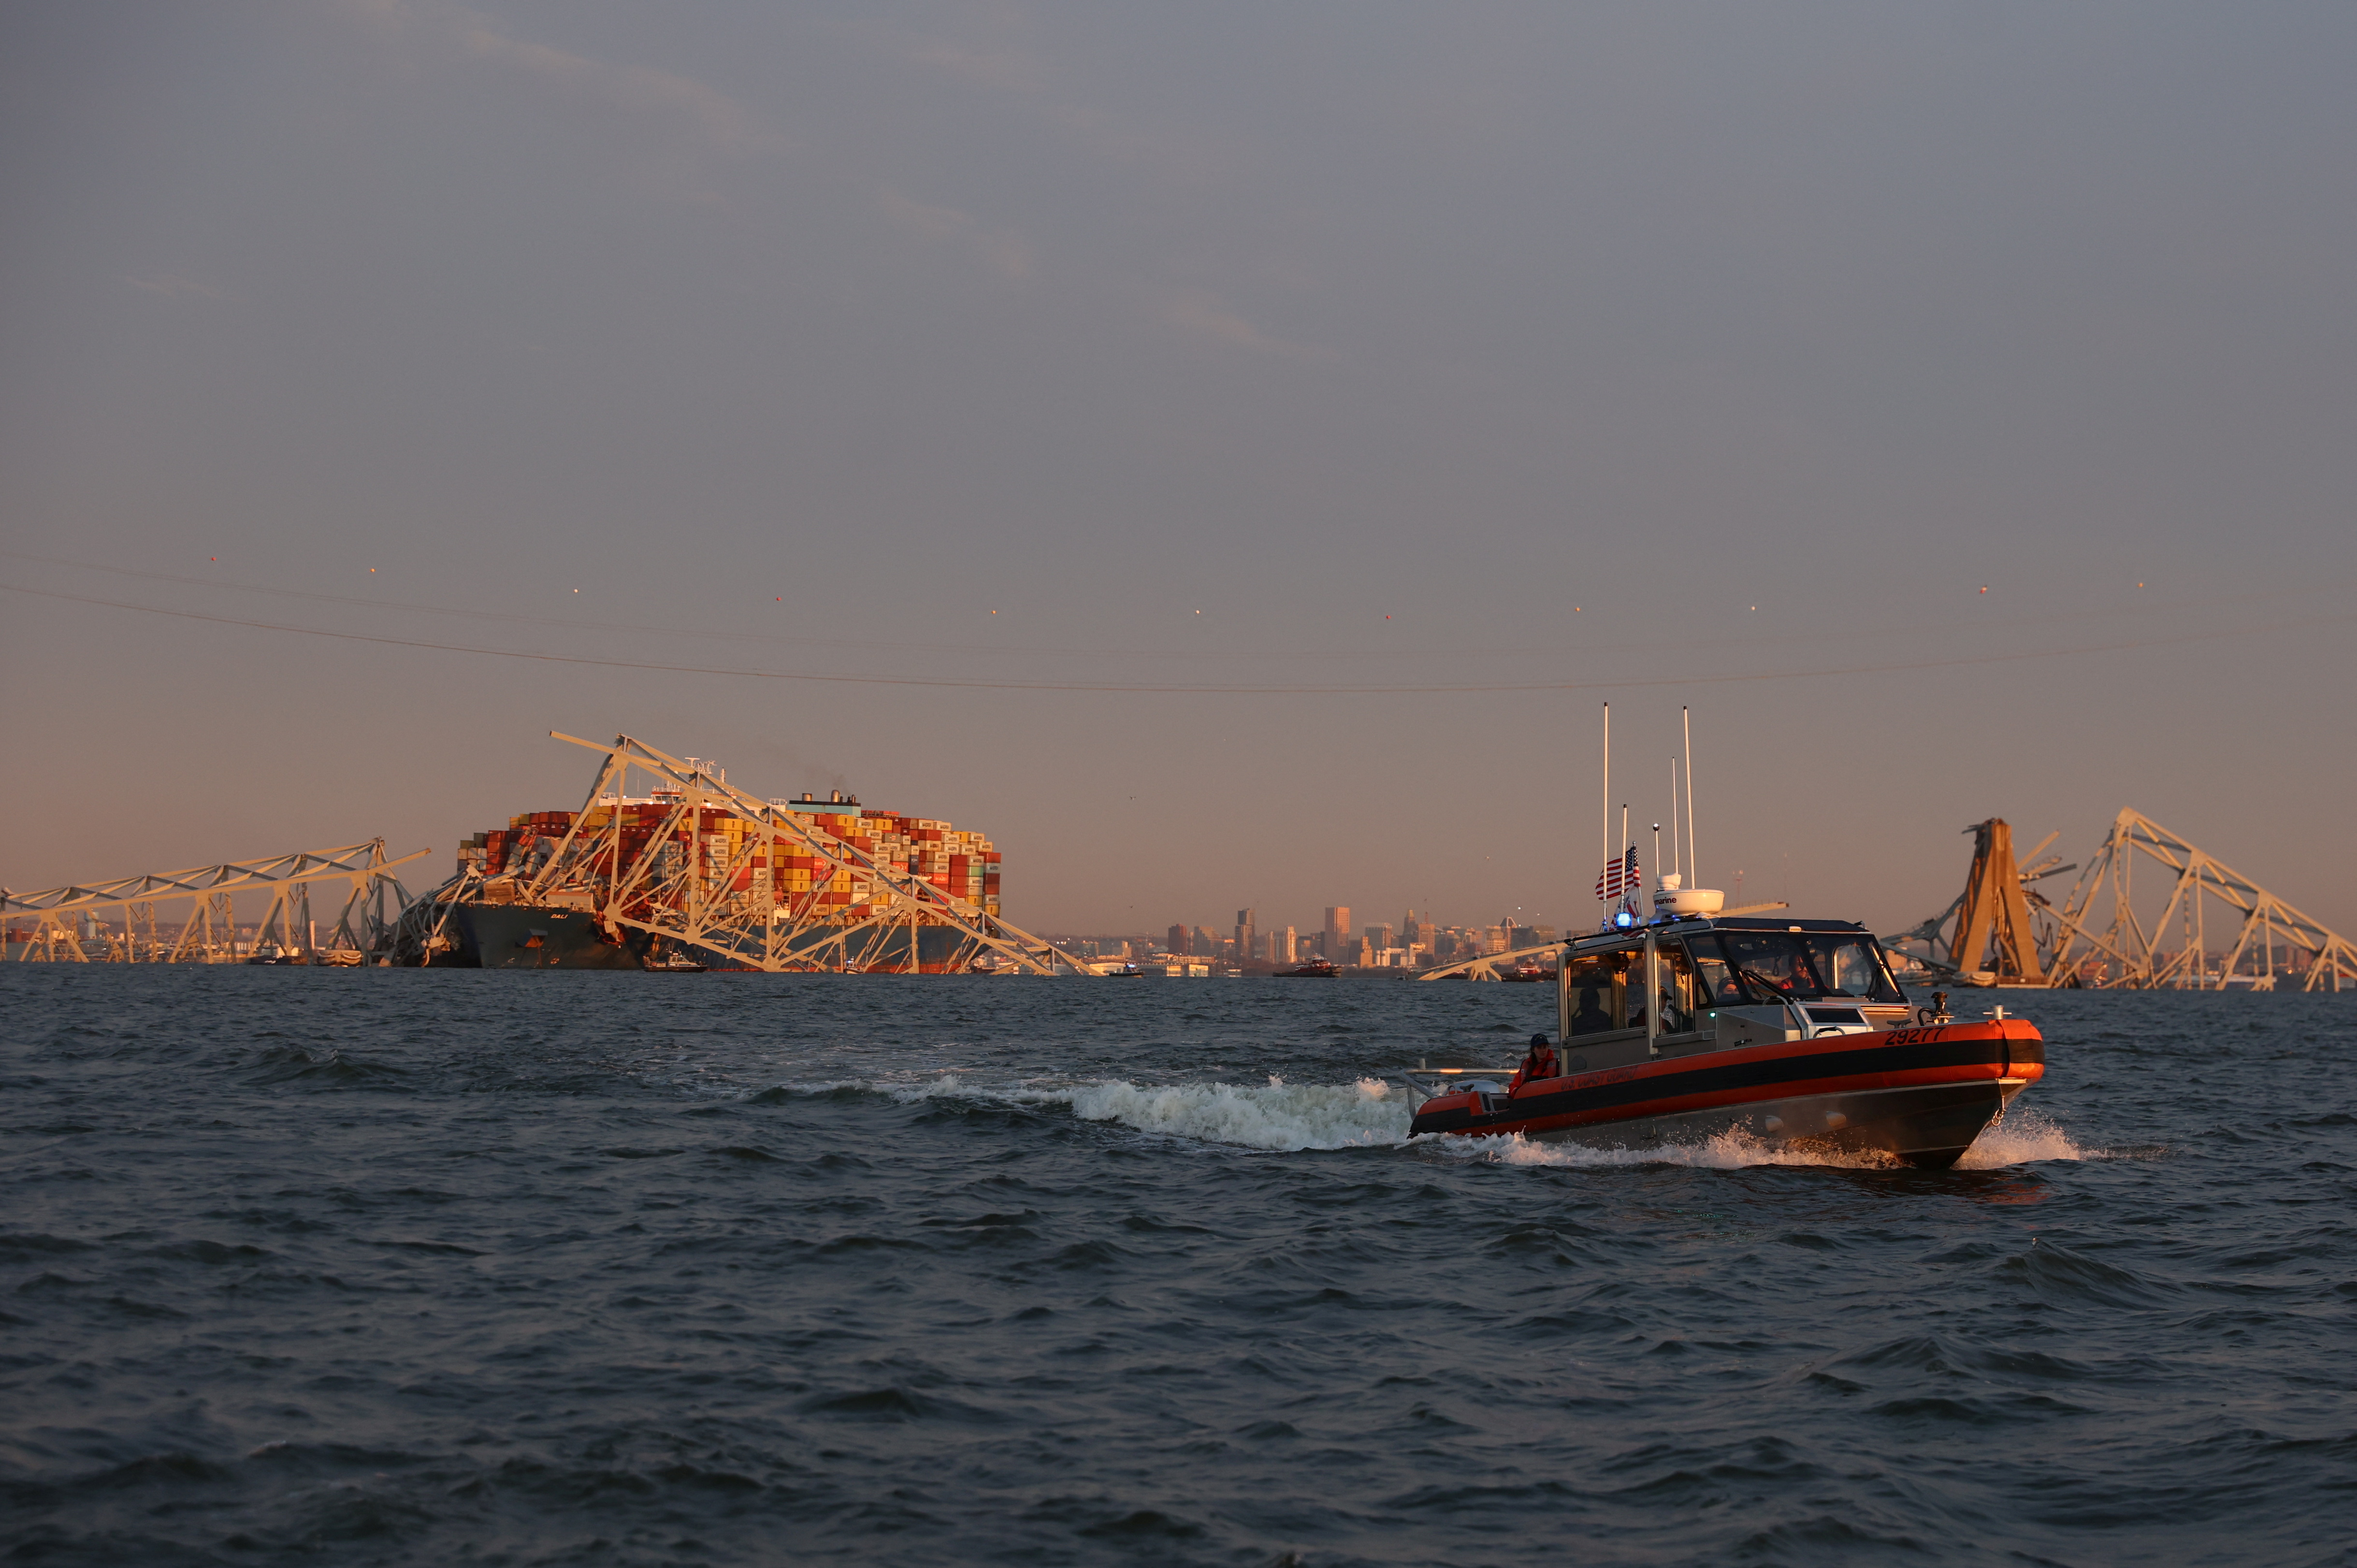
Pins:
<point x="2023" y="1138"/>
<point x="1279" y="1117"/>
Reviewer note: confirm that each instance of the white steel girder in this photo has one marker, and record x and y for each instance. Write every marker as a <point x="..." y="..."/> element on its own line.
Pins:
<point x="1486" y="966"/>
<point x="363" y="927"/>
<point x="670" y="895"/>
<point x="2140" y="962"/>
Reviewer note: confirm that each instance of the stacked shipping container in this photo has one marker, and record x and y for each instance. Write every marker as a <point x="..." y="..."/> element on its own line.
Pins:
<point x="963" y="864"/>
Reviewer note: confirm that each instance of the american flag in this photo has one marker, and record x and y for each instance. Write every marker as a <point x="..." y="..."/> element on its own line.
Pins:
<point x="1619" y="876"/>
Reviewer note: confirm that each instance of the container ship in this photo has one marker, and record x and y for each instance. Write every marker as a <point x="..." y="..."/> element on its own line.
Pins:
<point x="536" y="894"/>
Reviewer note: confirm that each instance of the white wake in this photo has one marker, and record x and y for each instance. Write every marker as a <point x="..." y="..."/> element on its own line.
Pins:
<point x="2023" y="1138"/>
<point x="1288" y="1118"/>
<point x="1278" y="1116"/>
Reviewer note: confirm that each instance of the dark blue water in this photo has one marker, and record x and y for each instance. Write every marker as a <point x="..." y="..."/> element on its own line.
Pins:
<point x="371" y="1267"/>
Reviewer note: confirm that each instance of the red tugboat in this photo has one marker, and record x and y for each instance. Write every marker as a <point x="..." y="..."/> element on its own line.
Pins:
<point x="1692" y="1025"/>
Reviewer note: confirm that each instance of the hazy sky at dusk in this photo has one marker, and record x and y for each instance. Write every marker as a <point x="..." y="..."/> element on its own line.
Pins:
<point x="1311" y="345"/>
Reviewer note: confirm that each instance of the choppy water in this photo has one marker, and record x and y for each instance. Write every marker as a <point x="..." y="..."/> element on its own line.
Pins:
<point x="445" y="1267"/>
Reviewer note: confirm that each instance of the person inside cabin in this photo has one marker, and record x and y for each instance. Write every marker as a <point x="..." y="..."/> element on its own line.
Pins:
<point x="1591" y="1017"/>
<point x="1773" y="962"/>
<point x="1672" y="1007"/>
<point x="1538" y="1062"/>
<point x="1714" y="982"/>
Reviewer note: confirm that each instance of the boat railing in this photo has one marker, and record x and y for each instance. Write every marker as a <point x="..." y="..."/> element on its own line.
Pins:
<point x="1429" y="1082"/>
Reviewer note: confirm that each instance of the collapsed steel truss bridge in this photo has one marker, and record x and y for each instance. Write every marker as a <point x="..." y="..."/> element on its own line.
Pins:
<point x="2130" y="952"/>
<point x="686" y="900"/>
<point x="2001" y="931"/>
<point x="116" y="922"/>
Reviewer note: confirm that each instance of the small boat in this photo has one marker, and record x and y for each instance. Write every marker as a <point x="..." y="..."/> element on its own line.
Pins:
<point x="1691" y="1025"/>
<point x="1315" y="968"/>
<point x="678" y="964"/>
<point x="1527" y="973"/>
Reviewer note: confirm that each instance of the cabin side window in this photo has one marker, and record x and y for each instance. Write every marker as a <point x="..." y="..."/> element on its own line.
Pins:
<point x="1715" y="985"/>
<point x="1680" y="989"/>
<point x="1777" y="966"/>
<point x="1597" y="984"/>
<point x="1852" y="966"/>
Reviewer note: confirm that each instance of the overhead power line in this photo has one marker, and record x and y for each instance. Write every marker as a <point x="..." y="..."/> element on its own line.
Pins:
<point x="1222" y="688"/>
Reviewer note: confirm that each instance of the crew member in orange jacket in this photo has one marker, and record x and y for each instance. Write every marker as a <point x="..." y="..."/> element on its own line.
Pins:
<point x="1539" y="1063"/>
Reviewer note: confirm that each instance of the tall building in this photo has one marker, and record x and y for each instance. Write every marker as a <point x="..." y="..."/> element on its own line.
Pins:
<point x="1379" y="937"/>
<point x="1181" y="940"/>
<point x="1245" y="935"/>
<point x="1338" y="928"/>
<point x="1206" y="942"/>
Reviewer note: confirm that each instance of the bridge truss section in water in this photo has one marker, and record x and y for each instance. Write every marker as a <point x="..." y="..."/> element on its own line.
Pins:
<point x="2129" y="951"/>
<point x="2001" y="931"/>
<point x="117" y="921"/>
<point x="701" y="883"/>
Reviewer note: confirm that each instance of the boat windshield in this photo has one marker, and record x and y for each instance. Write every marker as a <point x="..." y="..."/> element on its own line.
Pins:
<point x="1777" y="966"/>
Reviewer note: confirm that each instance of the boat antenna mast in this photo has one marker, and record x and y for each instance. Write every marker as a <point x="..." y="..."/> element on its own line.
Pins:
<point x="1685" y="723"/>
<point x="1600" y="885"/>
<point x="1677" y="864"/>
<point x="1626" y="898"/>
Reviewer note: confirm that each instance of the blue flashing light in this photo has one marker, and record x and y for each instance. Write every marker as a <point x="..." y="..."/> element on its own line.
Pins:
<point x="1624" y="919"/>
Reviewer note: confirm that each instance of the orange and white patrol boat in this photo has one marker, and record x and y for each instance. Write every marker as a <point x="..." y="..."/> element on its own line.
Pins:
<point x="1691" y="1025"/>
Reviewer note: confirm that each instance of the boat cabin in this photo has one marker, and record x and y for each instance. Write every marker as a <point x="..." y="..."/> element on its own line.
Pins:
<point x="1719" y="984"/>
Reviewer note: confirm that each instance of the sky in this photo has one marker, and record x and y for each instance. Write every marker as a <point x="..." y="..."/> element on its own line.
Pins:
<point x="1229" y="454"/>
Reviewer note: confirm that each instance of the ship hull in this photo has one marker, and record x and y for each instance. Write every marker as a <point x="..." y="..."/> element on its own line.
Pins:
<point x="526" y="936"/>
<point x="1921" y="1094"/>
